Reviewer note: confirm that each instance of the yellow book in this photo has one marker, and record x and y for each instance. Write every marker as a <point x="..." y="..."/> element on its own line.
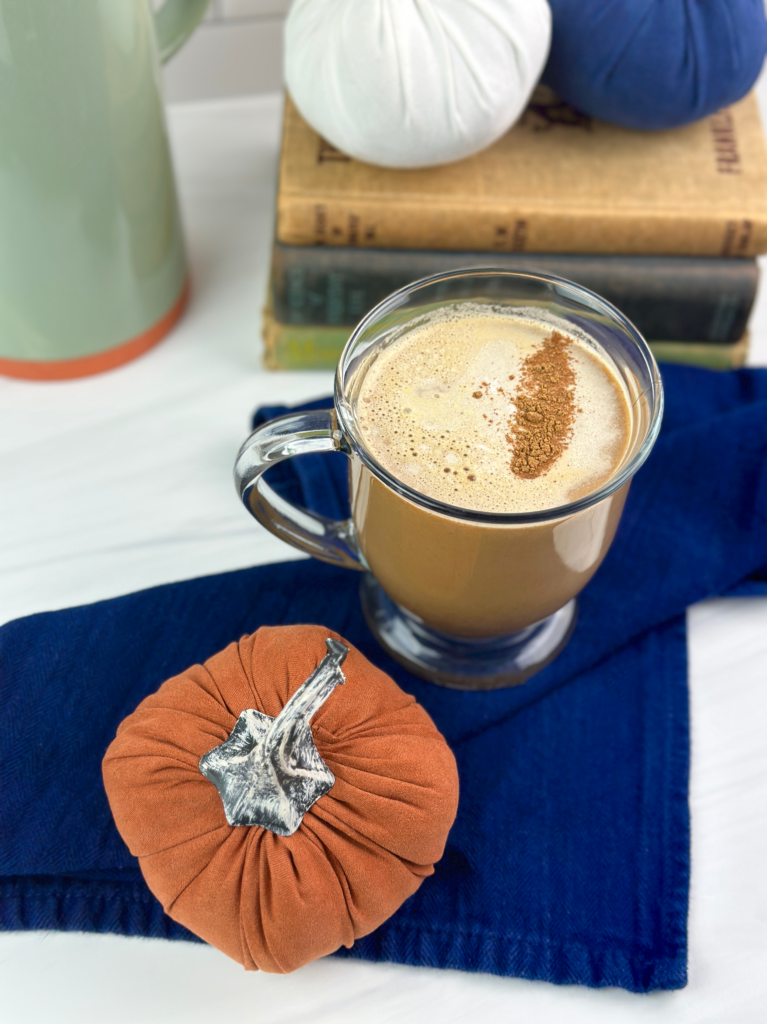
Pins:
<point x="557" y="182"/>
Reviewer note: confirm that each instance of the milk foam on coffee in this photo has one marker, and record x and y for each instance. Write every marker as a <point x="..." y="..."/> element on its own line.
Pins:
<point x="437" y="409"/>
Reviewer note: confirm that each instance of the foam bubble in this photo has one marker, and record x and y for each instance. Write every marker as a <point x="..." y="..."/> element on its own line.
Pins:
<point x="420" y="416"/>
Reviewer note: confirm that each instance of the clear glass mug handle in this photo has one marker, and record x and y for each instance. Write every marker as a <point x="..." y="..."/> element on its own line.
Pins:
<point x="300" y="433"/>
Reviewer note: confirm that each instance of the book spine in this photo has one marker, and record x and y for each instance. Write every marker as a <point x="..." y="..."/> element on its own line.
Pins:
<point x="710" y="357"/>
<point x="301" y="347"/>
<point x="309" y="347"/>
<point x="696" y="299"/>
<point x="420" y="224"/>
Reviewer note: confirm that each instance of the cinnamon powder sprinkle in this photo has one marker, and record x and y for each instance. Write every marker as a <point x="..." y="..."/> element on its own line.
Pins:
<point x="542" y="425"/>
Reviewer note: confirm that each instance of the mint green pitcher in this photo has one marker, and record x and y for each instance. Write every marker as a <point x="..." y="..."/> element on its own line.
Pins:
<point x="92" y="265"/>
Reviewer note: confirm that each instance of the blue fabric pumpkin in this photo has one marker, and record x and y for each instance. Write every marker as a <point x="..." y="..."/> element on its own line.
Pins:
<point x="654" y="64"/>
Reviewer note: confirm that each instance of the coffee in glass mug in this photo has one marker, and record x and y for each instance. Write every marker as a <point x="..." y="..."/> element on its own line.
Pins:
<point x="493" y="421"/>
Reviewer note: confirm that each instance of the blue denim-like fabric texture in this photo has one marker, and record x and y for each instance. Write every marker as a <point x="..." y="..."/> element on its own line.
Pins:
<point x="569" y="858"/>
<point x="655" y="64"/>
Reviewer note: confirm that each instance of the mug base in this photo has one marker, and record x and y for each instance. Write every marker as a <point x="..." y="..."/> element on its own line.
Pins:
<point x="464" y="663"/>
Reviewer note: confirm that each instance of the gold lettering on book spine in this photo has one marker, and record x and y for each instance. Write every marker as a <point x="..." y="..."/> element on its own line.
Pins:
<point x="737" y="238"/>
<point x="329" y="154"/>
<point x="546" y="111"/>
<point x="320" y="224"/>
<point x="726" y="152"/>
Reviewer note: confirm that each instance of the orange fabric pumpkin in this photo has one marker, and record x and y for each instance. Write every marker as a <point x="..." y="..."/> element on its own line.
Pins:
<point x="277" y="902"/>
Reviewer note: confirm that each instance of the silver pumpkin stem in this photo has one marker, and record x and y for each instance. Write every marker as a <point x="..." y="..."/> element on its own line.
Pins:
<point x="269" y="772"/>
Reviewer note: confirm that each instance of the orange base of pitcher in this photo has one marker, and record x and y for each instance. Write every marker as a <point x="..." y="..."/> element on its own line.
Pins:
<point x="85" y="366"/>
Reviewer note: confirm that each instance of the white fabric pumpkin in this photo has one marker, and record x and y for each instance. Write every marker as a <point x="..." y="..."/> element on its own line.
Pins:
<point x="413" y="83"/>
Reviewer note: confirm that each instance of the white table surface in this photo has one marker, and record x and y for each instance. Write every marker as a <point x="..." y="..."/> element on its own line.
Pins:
<point x="123" y="481"/>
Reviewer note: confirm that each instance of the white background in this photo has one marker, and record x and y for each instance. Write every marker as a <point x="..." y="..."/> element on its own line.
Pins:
<point x="122" y="481"/>
<point x="237" y="50"/>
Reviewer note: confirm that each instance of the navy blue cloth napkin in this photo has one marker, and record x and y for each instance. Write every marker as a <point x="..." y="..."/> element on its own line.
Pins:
<point x="569" y="859"/>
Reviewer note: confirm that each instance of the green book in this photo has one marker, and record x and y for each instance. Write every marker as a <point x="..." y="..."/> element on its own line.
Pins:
<point x="687" y="298"/>
<point x="316" y="347"/>
<point x="710" y="356"/>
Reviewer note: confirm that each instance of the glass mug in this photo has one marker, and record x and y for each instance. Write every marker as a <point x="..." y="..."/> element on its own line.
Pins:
<point x="467" y="599"/>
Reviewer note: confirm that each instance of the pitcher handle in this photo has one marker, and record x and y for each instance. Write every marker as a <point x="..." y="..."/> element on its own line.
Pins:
<point x="174" y="23"/>
<point x="299" y="433"/>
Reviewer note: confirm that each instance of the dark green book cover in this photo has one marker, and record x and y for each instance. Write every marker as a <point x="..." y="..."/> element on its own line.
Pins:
<point x="687" y="298"/>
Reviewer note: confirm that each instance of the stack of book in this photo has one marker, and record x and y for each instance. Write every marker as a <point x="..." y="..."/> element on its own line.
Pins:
<point x="665" y="225"/>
